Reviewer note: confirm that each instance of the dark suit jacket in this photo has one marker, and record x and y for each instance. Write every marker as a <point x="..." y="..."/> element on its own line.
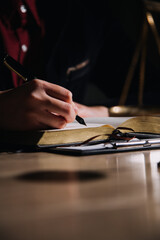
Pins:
<point x="74" y="36"/>
<point x="91" y="41"/>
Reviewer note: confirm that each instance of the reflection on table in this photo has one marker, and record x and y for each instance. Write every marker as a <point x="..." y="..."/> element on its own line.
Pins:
<point x="49" y="196"/>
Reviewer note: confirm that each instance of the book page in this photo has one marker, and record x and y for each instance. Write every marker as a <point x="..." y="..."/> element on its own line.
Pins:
<point x="113" y="121"/>
<point x="95" y="122"/>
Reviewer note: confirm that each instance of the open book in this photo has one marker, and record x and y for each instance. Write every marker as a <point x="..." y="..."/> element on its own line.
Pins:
<point x="100" y="128"/>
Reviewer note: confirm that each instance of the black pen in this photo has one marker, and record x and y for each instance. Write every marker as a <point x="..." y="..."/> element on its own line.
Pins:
<point x="16" y="67"/>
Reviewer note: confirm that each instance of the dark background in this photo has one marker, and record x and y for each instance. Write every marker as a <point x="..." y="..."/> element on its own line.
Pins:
<point x="123" y="24"/>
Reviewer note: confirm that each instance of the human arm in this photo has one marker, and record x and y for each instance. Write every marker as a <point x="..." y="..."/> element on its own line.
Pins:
<point x="36" y="105"/>
<point x="92" y="111"/>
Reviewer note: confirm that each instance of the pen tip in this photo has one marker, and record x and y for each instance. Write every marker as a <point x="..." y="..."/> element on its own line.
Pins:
<point x="80" y="120"/>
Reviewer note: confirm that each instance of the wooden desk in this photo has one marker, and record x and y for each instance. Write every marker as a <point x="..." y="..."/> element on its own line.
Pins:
<point x="52" y="197"/>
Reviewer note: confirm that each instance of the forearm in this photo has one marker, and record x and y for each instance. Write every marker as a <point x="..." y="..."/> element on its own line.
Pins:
<point x="92" y="111"/>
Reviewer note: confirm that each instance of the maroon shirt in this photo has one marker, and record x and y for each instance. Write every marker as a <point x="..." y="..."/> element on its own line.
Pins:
<point x="22" y="32"/>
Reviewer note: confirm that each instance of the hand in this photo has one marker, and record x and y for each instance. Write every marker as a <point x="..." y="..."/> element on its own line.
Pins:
<point x="93" y="111"/>
<point x="36" y="105"/>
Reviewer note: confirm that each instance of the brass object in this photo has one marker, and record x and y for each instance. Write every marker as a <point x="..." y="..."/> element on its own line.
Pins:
<point x="140" y="53"/>
<point x="123" y="111"/>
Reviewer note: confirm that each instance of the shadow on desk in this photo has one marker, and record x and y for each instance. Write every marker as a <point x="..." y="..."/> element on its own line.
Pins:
<point x="61" y="176"/>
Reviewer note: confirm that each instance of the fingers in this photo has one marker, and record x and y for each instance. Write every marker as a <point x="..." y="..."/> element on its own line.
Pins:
<point x="55" y="99"/>
<point x="36" y="120"/>
<point x="64" y="109"/>
<point x="47" y="120"/>
<point x="36" y="105"/>
<point x="59" y="100"/>
<point x="57" y="92"/>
